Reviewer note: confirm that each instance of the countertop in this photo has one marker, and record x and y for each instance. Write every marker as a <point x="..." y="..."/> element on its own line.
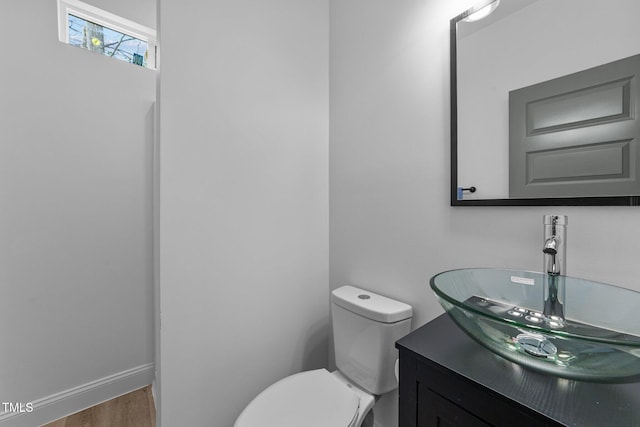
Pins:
<point x="568" y="402"/>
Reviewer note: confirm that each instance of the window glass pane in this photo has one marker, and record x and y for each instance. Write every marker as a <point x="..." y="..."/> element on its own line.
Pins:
<point x="96" y="38"/>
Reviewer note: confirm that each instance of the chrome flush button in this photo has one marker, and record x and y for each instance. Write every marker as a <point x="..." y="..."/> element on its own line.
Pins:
<point x="364" y="296"/>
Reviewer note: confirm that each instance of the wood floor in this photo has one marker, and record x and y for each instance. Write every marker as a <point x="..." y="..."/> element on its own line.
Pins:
<point x="135" y="409"/>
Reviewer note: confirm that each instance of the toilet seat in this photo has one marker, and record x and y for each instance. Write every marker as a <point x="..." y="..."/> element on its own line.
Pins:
<point x="310" y="399"/>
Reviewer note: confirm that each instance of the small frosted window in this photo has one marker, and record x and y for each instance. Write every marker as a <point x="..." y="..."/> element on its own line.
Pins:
<point x="93" y="29"/>
<point x="96" y="38"/>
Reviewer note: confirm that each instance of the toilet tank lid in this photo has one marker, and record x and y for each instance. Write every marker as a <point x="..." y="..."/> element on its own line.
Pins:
<point x="370" y="305"/>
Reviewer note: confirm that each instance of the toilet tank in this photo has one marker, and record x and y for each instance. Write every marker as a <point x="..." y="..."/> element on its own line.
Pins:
<point x="365" y="328"/>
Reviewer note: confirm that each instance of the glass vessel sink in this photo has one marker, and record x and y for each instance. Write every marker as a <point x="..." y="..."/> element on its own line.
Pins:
<point x="590" y="331"/>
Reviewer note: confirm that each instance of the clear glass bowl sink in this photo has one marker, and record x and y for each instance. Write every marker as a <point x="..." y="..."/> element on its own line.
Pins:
<point x="595" y="337"/>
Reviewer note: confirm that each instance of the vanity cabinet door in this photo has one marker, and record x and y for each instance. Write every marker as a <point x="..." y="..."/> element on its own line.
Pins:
<point x="436" y="411"/>
<point x="446" y="399"/>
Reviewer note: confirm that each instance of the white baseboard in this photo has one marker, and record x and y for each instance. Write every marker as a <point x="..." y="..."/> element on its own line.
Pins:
<point x="76" y="399"/>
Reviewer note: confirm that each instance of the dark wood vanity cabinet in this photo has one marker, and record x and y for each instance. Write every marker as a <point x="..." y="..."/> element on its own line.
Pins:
<point x="447" y="380"/>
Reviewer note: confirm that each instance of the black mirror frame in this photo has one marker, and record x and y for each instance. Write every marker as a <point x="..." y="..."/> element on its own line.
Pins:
<point x="548" y="201"/>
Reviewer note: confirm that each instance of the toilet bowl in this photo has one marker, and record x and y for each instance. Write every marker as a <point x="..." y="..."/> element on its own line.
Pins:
<point x="365" y="328"/>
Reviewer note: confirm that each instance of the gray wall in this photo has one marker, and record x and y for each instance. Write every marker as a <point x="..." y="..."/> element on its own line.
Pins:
<point x="391" y="224"/>
<point x="243" y="203"/>
<point x="75" y="210"/>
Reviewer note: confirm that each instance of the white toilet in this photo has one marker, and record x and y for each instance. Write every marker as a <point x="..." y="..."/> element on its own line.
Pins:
<point x="365" y="328"/>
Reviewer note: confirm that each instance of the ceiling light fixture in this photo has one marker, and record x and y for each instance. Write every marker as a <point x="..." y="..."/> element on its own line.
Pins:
<point x="482" y="11"/>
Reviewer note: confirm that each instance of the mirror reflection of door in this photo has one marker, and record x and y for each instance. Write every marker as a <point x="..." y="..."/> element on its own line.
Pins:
<point x="523" y="43"/>
<point x="576" y="135"/>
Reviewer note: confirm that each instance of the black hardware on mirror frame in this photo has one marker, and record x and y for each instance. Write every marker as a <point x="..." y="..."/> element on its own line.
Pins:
<point x="541" y="201"/>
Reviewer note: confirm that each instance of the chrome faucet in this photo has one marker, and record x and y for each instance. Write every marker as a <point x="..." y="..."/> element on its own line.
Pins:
<point x="555" y="244"/>
<point x="554" y="263"/>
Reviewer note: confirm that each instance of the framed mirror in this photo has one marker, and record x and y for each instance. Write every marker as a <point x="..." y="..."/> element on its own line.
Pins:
<point x="545" y="103"/>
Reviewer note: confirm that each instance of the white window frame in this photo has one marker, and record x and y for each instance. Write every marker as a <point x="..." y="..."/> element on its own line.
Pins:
<point x="106" y="19"/>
